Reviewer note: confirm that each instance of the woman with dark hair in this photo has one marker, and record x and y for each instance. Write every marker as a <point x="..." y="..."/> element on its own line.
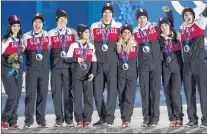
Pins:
<point x="171" y="68"/>
<point x="82" y="56"/>
<point x="11" y="73"/>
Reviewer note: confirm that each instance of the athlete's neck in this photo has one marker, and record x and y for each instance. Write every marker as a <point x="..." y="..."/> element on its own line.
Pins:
<point x="126" y="41"/>
<point x="106" y="21"/>
<point x="166" y="33"/>
<point x="61" y="28"/>
<point x="83" y="41"/>
<point x="143" y="25"/>
<point x="37" y="31"/>
<point x="14" y="35"/>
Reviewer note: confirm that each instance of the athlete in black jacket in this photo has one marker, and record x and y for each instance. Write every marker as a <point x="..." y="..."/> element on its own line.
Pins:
<point x="192" y="33"/>
<point x="171" y="68"/>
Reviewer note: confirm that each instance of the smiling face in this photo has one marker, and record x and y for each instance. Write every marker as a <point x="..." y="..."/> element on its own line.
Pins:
<point x="188" y="17"/>
<point x="62" y="22"/>
<point x="126" y="35"/>
<point x="142" y="20"/>
<point x="37" y="25"/>
<point x="86" y="34"/>
<point x="15" y="29"/>
<point x="165" y="28"/>
<point x="107" y="15"/>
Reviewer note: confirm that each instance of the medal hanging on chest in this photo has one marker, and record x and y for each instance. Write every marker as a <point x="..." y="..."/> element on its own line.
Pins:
<point x="63" y="43"/>
<point x="105" y="38"/>
<point x="39" y="56"/>
<point x="146" y="47"/>
<point x="168" y="47"/>
<point x="187" y="40"/>
<point x="83" y="64"/>
<point x="125" y="58"/>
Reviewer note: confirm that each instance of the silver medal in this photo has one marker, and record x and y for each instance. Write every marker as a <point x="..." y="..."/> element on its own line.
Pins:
<point x="83" y="66"/>
<point x="146" y="49"/>
<point x="39" y="57"/>
<point x="125" y="66"/>
<point x="104" y="47"/>
<point x="186" y="48"/>
<point x="168" y="59"/>
<point x="63" y="54"/>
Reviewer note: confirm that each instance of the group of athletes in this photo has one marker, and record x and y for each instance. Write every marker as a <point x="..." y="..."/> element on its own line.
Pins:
<point x="107" y="55"/>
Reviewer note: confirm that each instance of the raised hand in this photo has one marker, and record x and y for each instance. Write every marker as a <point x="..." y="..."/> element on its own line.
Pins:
<point x="165" y="9"/>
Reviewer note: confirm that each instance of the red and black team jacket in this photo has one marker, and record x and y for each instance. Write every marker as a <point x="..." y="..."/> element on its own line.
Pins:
<point x="72" y="57"/>
<point x="109" y="56"/>
<point x="8" y="47"/>
<point x="132" y="62"/>
<point x="197" y="47"/>
<point x="155" y="55"/>
<point x="31" y="51"/>
<point x="176" y="62"/>
<point x="56" y="60"/>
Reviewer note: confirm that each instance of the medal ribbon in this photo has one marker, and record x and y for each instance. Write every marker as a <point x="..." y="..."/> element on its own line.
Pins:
<point x="142" y="37"/>
<point x="105" y="38"/>
<point x="12" y="71"/>
<point x="124" y="57"/>
<point x="84" y="56"/>
<point x="169" y="49"/>
<point x="187" y="39"/>
<point x="38" y="49"/>
<point x="60" y="39"/>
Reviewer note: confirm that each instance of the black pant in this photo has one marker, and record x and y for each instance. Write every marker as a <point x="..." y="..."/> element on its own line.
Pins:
<point x="106" y="73"/>
<point x="127" y="93"/>
<point x="36" y="89"/>
<point x="85" y="87"/>
<point x="172" y="88"/>
<point x="13" y="88"/>
<point x="62" y="94"/>
<point x="195" y="73"/>
<point x="150" y="79"/>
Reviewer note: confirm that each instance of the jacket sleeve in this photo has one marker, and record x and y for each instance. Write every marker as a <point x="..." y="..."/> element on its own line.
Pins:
<point x="93" y="68"/>
<point x="174" y="37"/>
<point x="94" y="62"/>
<point x="91" y="35"/>
<point x="50" y="39"/>
<point x="161" y="42"/>
<point x="4" y="62"/>
<point x="170" y="18"/>
<point x="75" y="34"/>
<point x="69" y="57"/>
<point x="202" y="20"/>
<point x="25" y="42"/>
<point x="4" y="45"/>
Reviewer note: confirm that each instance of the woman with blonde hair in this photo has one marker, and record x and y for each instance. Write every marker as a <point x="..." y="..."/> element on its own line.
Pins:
<point x="127" y="73"/>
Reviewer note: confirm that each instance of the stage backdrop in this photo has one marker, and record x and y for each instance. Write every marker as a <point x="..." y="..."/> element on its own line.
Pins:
<point x="86" y="12"/>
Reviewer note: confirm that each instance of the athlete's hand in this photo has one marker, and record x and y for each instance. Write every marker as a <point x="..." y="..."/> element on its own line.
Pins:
<point x="80" y="60"/>
<point x="15" y="65"/>
<point x="118" y="46"/>
<point x="90" y="77"/>
<point x="165" y="9"/>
